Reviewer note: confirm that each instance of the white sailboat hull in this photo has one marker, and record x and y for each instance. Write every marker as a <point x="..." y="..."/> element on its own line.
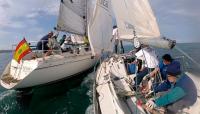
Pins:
<point x="111" y="81"/>
<point x="42" y="71"/>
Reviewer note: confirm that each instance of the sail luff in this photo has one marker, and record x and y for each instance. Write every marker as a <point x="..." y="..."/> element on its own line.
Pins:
<point x="100" y="28"/>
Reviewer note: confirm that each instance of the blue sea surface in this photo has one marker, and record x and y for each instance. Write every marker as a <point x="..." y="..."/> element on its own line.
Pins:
<point x="73" y="96"/>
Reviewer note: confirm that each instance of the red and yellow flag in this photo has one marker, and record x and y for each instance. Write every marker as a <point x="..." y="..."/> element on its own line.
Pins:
<point x="21" y="50"/>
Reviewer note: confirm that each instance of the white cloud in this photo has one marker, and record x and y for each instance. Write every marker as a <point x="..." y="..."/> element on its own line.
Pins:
<point x="25" y="18"/>
<point x="22" y="10"/>
<point x="32" y="15"/>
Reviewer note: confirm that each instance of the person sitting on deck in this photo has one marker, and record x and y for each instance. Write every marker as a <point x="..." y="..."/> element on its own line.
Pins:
<point x="42" y="44"/>
<point x="167" y="61"/>
<point x="67" y="45"/>
<point x="86" y="41"/>
<point x="131" y="66"/>
<point x="182" y="93"/>
<point x="150" y="61"/>
<point x="62" y="40"/>
<point x="53" y="45"/>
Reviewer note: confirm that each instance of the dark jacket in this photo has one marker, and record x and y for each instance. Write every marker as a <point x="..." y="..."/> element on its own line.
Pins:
<point x="42" y="44"/>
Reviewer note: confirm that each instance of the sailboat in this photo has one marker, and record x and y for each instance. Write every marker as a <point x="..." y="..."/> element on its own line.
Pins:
<point x="113" y="91"/>
<point x="79" y="17"/>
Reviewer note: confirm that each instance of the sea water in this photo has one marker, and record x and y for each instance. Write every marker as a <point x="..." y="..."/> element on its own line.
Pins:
<point x="73" y="96"/>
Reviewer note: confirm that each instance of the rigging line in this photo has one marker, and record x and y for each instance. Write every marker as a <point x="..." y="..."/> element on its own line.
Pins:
<point x="159" y="74"/>
<point x="190" y="58"/>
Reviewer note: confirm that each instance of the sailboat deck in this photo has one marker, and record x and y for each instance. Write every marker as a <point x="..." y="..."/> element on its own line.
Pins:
<point x="8" y="79"/>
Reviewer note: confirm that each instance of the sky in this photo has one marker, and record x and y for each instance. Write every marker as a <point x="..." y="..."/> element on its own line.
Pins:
<point x="177" y="19"/>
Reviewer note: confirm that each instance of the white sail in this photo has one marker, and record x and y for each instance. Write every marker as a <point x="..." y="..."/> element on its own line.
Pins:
<point x="72" y="16"/>
<point x="100" y="27"/>
<point x="90" y="9"/>
<point x="77" y="39"/>
<point x="135" y="15"/>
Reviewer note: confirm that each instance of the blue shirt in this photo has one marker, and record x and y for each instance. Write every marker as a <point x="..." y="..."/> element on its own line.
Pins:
<point x="164" y="86"/>
<point x="163" y="68"/>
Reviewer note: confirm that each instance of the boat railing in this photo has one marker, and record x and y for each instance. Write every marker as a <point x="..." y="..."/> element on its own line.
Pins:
<point x="43" y="52"/>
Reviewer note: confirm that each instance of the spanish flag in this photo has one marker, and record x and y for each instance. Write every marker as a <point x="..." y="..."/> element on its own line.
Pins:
<point x="21" y="50"/>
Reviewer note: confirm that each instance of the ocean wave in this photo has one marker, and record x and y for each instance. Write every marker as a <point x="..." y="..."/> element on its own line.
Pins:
<point x="88" y="83"/>
<point x="90" y="109"/>
<point x="5" y="94"/>
<point x="6" y="101"/>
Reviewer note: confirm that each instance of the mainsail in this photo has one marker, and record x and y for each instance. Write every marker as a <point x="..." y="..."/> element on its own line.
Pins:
<point x="88" y="17"/>
<point x="135" y="19"/>
<point x="135" y="15"/>
<point x="100" y="27"/>
<point x="72" y="16"/>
